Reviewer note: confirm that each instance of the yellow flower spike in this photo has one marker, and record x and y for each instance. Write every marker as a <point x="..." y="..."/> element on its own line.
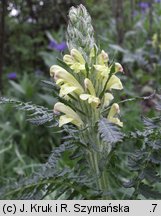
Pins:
<point x="70" y="115"/>
<point x="112" y="115"/>
<point x="114" y="83"/>
<point x="77" y="56"/>
<point x="108" y="97"/>
<point x="102" y="58"/>
<point x="62" y="76"/>
<point x="118" y="67"/>
<point x="89" y="86"/>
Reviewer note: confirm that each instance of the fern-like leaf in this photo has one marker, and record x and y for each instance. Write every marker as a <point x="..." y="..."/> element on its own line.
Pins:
<point x="148" y="192"/>
<point x="158" y="102"/>
<point x="36" y="114"/>
<point x="109" y="132"/>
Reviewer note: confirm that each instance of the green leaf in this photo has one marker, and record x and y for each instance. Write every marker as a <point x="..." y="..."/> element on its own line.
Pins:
<point x="148" y="192"/>
<point x="17" y="87"/>
<point x="118" y="48"/>
<point x="36" y="114"/>
<point x="149" y="123"/>
<point x="151" y="175"/>
<point x="109" y="132"/>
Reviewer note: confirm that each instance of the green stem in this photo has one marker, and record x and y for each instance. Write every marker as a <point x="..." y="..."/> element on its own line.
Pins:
<point x="101" y="177"/>
<point x="95" y="148"/>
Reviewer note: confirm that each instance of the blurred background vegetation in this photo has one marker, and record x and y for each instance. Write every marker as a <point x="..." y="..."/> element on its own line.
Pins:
<point x="32" y="36"/>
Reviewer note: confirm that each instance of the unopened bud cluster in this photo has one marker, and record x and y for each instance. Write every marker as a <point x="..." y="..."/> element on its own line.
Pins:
<point x="80" y="33"/>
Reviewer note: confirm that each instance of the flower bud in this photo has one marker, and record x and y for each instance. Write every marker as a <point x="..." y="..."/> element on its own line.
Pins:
<point x="112" y="115"/>
<point x="103" y="58"/>
<point x="89" y="86"/>
<point x="118" y="67"/>
<point x="77" y="56"/>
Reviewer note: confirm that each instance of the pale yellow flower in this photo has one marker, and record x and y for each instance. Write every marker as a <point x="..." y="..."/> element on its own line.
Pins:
<point x="102" y="70"/>
<point x="114" y="111"/>
<point x="65" y="80"/>
<point x="108" y="97"/>
<point x="75" y="60"/>
<point x="89" y="86"/>
<point x="92" y="96"/>
<point x="118" y="67"/>
<point x="92" y="53"/>
<point x="77" y="56"/>
<point x="114" y="83"/>
<point x="70" y="115"/>
<point x="67" y="89"/>
<point x="102" y="58"/>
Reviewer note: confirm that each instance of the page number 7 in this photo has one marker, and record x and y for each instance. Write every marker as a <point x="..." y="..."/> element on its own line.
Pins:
<point x="154" y="207"/>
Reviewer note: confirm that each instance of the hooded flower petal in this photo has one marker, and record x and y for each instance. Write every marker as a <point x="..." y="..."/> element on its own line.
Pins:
<point x="68" y="59"/>
<point x="70" y="115"/>
<point x="61" y="75"/>
<point x="77" y="67"/>
<point x="92" y="53"/>
<point x="112" y="115"/>
<point x="103" y="70"/>
<point x="114" y="83"/>
<point x="84" y="96"/>
<point x="67" y="89"/>
<point x="102" y="58"/>
<point x="75" y="61"/>
<point x="108" y="97"/>
<point x="64" y="119"/>
<point x="118" y="67"/>
<point x="90" y="98"/>
<point x="77" y="56"/>
<point x="89" y="86"/>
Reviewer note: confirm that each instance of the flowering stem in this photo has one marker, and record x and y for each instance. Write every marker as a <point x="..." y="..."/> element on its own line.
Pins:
<point x="94" y="159"/>
<point x="101" y="177"/>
